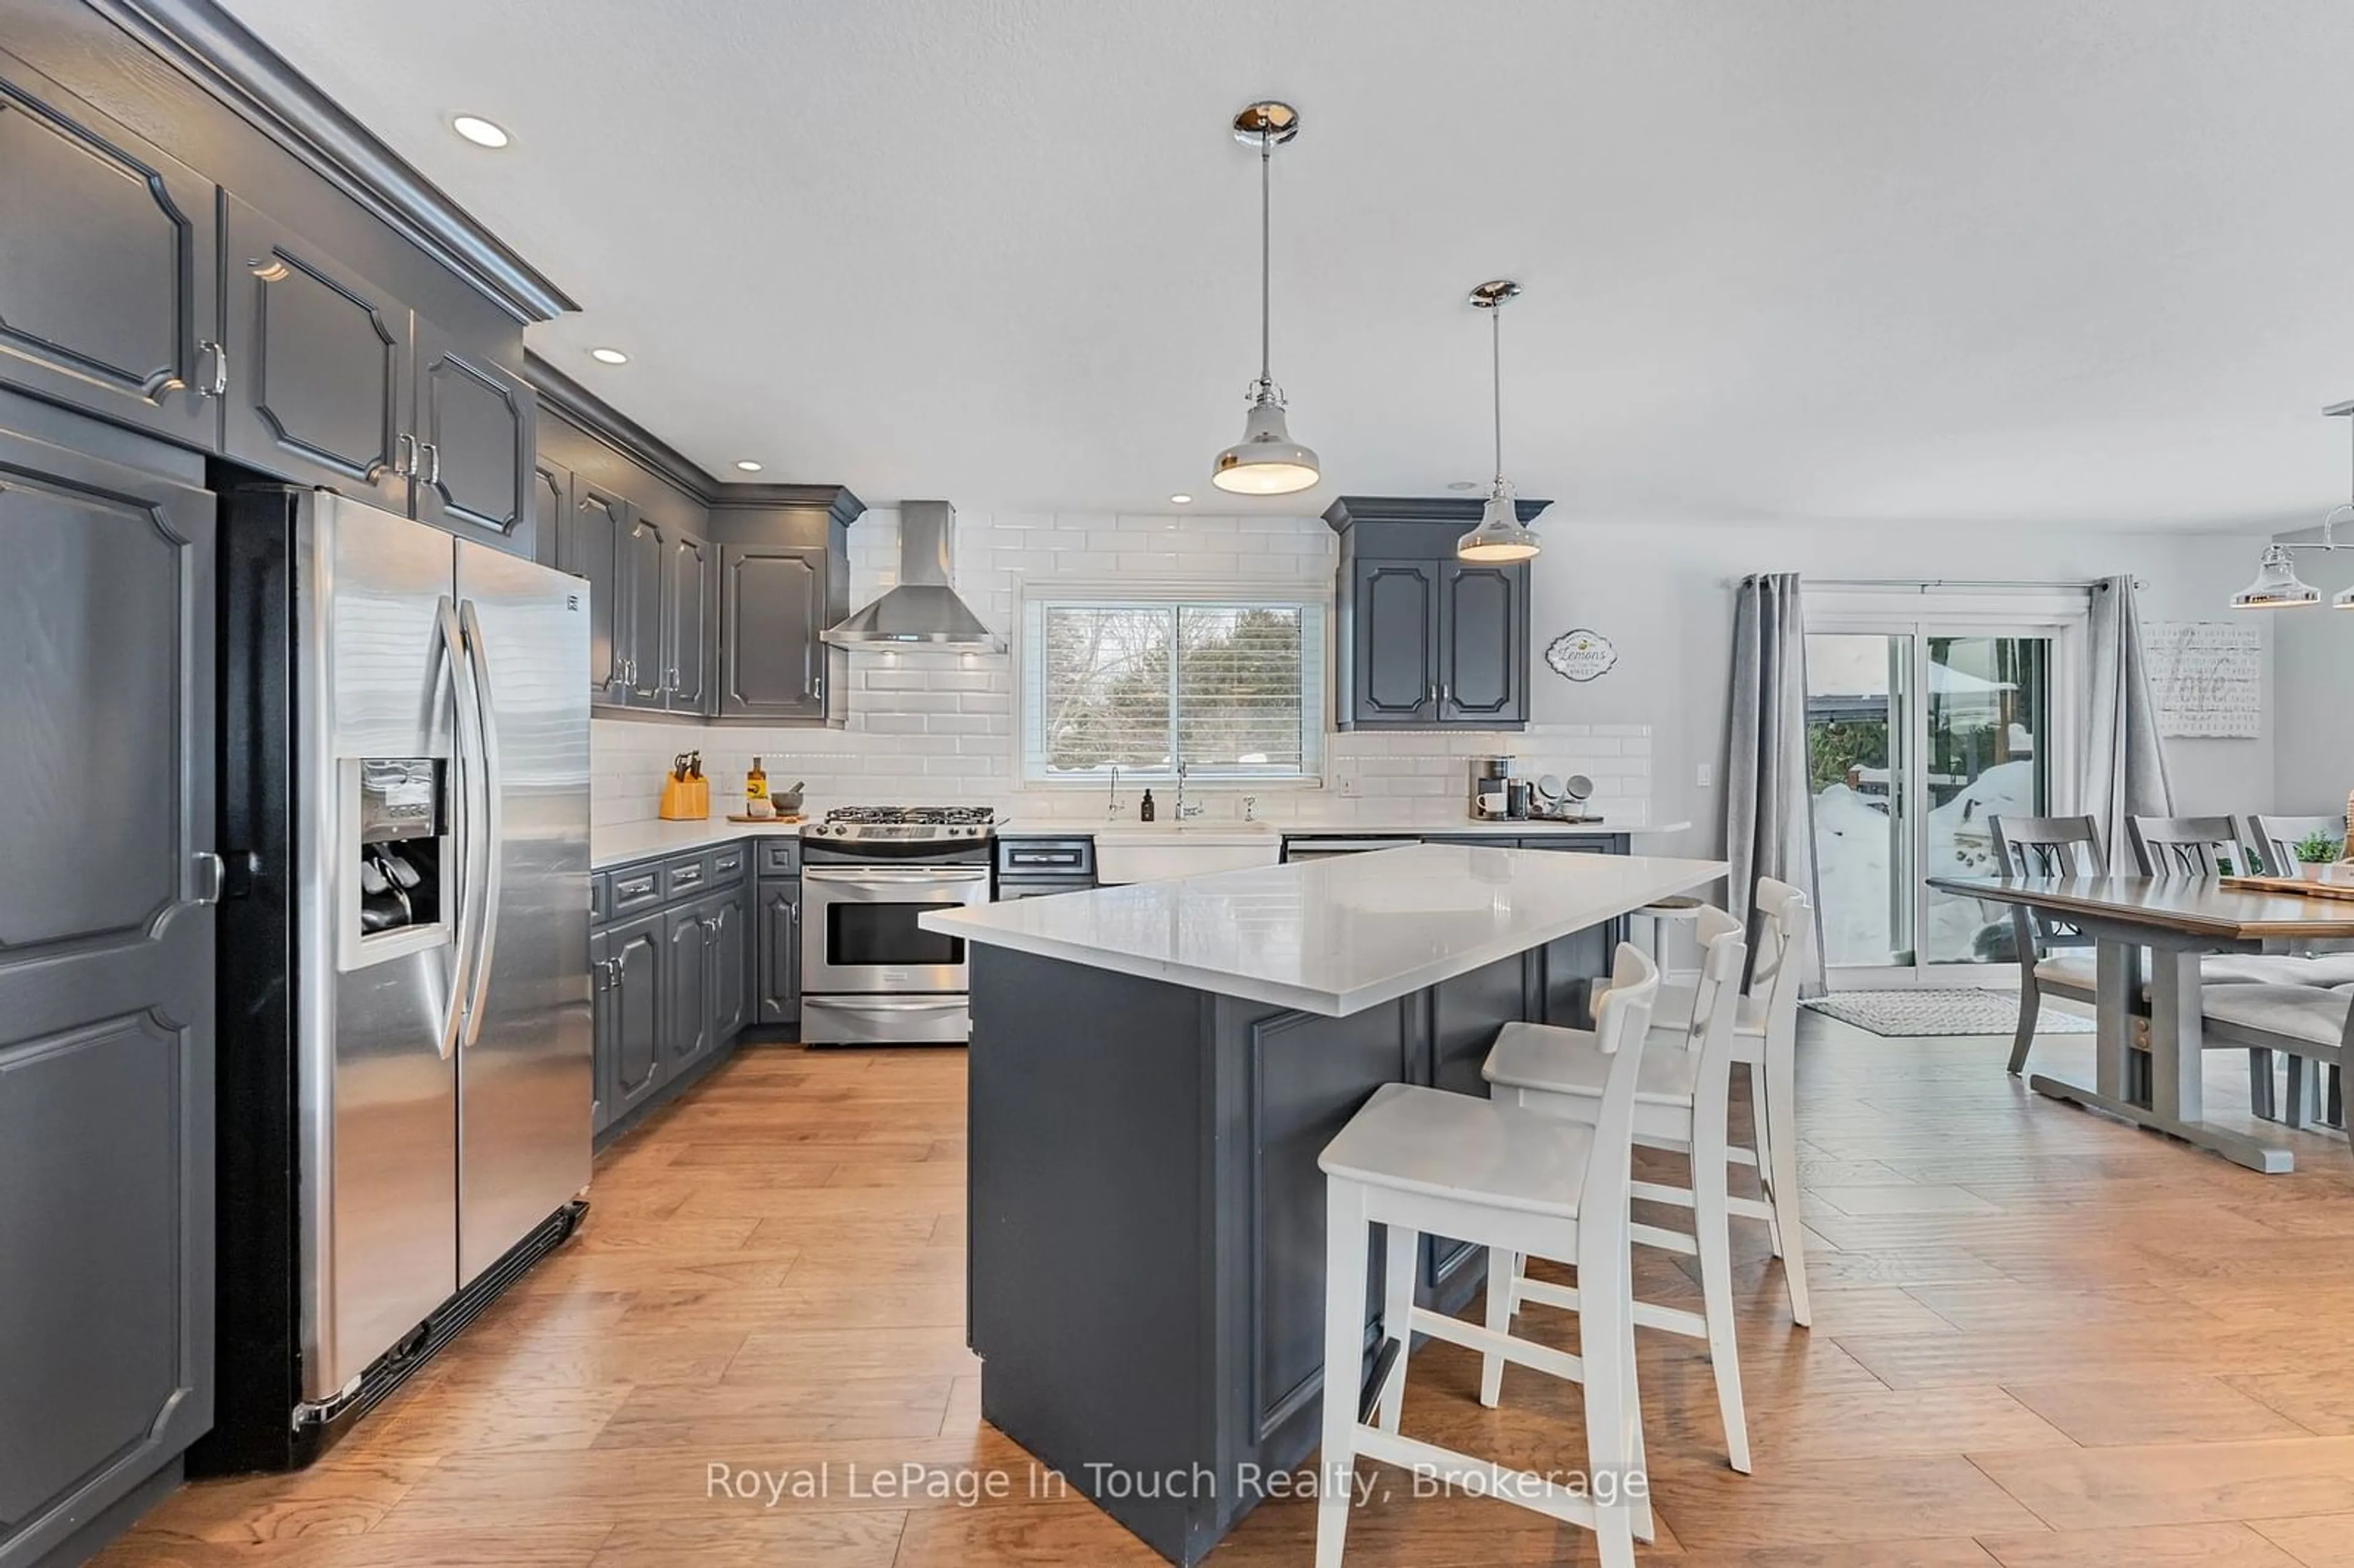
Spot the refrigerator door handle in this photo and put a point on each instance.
(493, 822)
(462, 819)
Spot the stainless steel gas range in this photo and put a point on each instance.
(870, 974)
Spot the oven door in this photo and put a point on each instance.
(859, 930)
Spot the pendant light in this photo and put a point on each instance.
(1266, 461)
(1502, 536)
(2277, 586)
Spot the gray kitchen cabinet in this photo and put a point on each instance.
(1426, 640)
(551, 508)
(475, 434)
(638, 619)
(601, 1021)
(686, 1006)
(106, 969)
(638, 954)
(731, 969)
(690, 581)
(320, 390)
(1483, 644)
(588, 546)
(110, 289)
(780, 936)
(1394, 640)
(773, 613)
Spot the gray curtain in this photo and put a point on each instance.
(1769, 826)
(2125, 762)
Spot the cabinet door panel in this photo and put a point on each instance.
(551, 500)
(686, 1019)
(730, 971)
(110, 288)
(106, 984)
(771, 618)
(320, 390)
(637, 1000)
(781, 951)
(477, 424)
(1483, 641)
(1396, 636)
(600, 1033)
(638, 622)
(588, 546)
(687, 599)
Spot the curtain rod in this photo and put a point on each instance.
(1925, 584)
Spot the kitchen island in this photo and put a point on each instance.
(1154, 1072)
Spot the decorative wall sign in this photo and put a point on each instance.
(2206, 677)
(1581, 655)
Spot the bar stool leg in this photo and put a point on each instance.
(1762, 1139)
(1781, 1115)
(1605, 1345)
(1712, 1231)
(1404, 1251)
(1503, 1301)
(1346, 1249)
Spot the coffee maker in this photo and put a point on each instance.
(1491, 789)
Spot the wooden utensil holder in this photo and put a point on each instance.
(685, 799)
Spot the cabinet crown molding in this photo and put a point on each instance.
(1459, 511)
(214, 50)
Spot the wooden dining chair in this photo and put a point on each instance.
(2046, 846)
(2275, 837)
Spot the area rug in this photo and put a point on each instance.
(1943, 1013)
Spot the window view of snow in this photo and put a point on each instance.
(1874, 764)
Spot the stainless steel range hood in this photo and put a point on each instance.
(924, 609)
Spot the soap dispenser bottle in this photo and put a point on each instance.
(1144, 811)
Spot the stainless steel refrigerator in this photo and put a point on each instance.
(406, 1034)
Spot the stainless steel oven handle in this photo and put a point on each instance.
(895, 876)
(932, 1003)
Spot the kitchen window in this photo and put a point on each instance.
(1232, 688)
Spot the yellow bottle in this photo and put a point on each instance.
(756, 791)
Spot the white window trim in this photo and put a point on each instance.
(1318, 593)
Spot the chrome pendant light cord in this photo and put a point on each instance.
(1266, 308)
(1496, 377)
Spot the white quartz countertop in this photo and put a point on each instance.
(1243, 832)
(1335, 935)
(619, 843)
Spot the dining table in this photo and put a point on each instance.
(2150, 937)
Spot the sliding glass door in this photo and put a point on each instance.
(1918, 731)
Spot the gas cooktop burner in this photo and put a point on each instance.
(931, 823)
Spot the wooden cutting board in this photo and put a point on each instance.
(2296, 886)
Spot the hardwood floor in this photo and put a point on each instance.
(2041, 1341)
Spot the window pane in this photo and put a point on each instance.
(1239, 681)
(1105, 698)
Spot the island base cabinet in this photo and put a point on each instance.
(1147, 1217)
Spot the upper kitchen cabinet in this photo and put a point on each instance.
(475, 436)
(690, 581)
(773, 599)
(110, 295)
(1425, 640)
(588, 546)
(322, 393)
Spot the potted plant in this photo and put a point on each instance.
(2315, 854)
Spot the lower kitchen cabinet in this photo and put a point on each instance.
(780, 950)
(674, 980)
(630, 1016)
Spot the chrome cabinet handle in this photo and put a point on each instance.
(1432, 696)
(432, 452)
(404, 460)
(1445, 694)
(217, 384)
(817, 690)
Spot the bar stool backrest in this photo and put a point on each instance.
(1622, 1018)
(1786, 925)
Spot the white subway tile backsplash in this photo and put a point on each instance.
(937, 728)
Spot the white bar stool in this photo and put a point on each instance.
(1682, 1098)
(1420, 1159)
(1677, 910)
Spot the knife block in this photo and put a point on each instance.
(684, 799)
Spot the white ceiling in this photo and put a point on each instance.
(2080, 262)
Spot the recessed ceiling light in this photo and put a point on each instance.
(608, 356)
(481, 133)
(1462, 484)
(1182, 499)
(748, 465)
